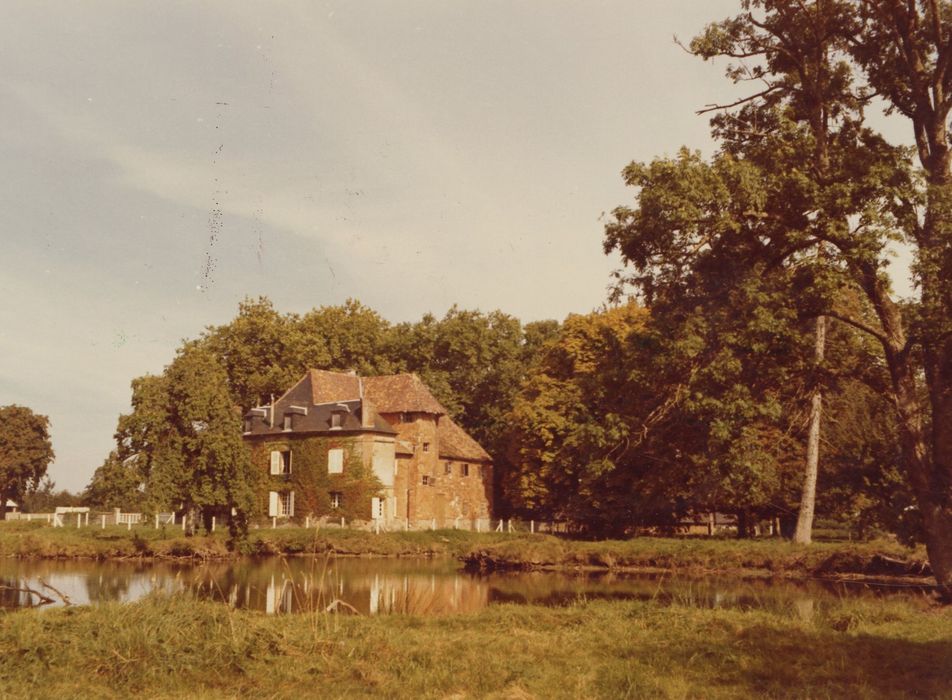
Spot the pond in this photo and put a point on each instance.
(382, 586)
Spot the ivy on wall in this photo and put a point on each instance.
(310, 481)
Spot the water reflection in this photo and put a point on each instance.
(388, 586)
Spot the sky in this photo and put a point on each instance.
(159, 162)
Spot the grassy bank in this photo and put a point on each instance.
(480, 550)
(768, 556)
(183, 648)
(39, 540)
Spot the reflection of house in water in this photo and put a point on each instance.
(362, 586)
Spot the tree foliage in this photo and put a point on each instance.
(25, 452)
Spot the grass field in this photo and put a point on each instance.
(179, 647)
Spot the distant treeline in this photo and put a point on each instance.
(609, 420)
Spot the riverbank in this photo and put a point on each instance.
(39, 540)
(762, 557)
(486, 551)
(180, 647)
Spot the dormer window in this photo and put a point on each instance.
(286, 424)
(336, 420)
(247, 427)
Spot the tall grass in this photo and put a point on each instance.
(180, 647)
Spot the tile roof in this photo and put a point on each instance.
(455, 442)
(328, 387)
(399, 393)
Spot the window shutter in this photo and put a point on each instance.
(272, 502)
(335, 461)
(291, 506)
(275, 462)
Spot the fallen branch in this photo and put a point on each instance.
(338, 603)
(43, 599)
(63, 597)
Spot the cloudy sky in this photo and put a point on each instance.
(160, 161)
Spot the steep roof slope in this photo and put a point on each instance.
(398, 393)
(329, 387)
(456, 443)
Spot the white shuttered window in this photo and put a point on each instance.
(335, 461)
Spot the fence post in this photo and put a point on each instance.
(433, 524)
(129, 524)
(307, 522)
(103, 522)
(213, 523)
(274, 522)
(342, 521)
(156, 521)
(532, 526)
(184, 518)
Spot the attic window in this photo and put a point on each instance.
(286, 424)
(247, 427)
(464, 469)
(336, 420)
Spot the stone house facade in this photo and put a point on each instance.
(366, 448)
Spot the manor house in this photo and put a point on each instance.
(367, 448)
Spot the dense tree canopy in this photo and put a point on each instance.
(25, 452)
(804, 187)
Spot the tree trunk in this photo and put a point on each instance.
(743, 525)
(804, 531)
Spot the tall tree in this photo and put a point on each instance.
(25, 452)
(199, 464)
(868, 200)
(799, 62)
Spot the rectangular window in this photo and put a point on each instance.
(335, 420)
(286, 504)
(281, 462)
(335, 461)
(448, 468)
(464, 469)
(337, 499)
(280, 504)
(426, 447)
(247, 428)
(426, 480)
(286, 423)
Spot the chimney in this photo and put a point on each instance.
(366, 414)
